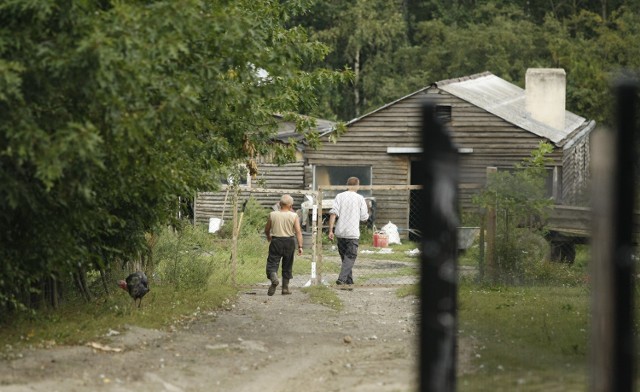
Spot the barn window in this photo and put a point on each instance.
(443, 112)
(338, 175)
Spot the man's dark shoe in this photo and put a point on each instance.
(344, 286)
(274, 283)
(285, 286)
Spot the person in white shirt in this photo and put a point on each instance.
(282, 225)
(350, 209)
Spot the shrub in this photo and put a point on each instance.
(184, 257)
(519, 200)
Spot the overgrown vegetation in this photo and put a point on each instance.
(113, 112)
(519, 203)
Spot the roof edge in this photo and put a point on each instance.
(462, 78)
(579, 134)
(355, 120)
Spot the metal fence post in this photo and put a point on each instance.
(612, 356)
(438, 283)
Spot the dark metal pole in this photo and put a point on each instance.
(623, 275)
(438, 283)
(614, 160)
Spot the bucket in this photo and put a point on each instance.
(214, 224)
(380, 239)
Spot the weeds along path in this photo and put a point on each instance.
(259, 343)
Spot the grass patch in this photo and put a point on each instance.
(407, 290)
(407, 272)
(323, 295)
(78, 322)
(399, 252)
(525, 337)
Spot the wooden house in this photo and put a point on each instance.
(494, 123)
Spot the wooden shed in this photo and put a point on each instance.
(217, 204)
(492, 122)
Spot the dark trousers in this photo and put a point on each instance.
(348, 249)
(281, 248)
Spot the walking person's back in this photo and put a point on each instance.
(282, 229)
(349, 209)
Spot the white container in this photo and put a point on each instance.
(215, 224)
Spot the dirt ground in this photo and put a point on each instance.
(259, 343)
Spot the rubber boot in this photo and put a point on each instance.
(285, 286)
(274, 283)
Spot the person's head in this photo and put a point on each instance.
(286, 201)
(353, 183)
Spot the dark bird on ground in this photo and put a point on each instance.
(137, 285)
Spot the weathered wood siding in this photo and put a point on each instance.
(576, 173)
(495, 142)
(214, 204)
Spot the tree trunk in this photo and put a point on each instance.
(103, 277)
(356, 83)
(81, 283)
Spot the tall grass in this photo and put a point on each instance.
(188, 277)
(186, 258)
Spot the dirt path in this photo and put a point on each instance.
(260, 344)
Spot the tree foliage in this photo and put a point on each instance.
(594, 41)
(110, 110)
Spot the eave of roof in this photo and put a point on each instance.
(499, 97)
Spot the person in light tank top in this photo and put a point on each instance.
(282, 229)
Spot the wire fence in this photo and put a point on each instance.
(387, 254)
(490, 248)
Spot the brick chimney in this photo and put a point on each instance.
(545, 95)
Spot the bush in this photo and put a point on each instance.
(519, 200)
(185, 257)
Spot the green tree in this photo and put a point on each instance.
(594, 52)
(109, 111)
(360, 33)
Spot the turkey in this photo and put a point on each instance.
(137, 285)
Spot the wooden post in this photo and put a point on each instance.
(234, 237)
(555, 187)
(491, 225)
(195, 205)
(318, 229)
(438, 280)
(612, 356)
(481, 261)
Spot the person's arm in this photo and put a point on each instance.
(333, 214)
(364, 211)
(296, 226)
(267, 228)
(332, 221)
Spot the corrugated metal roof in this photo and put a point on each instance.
(507, 101)
(287, 129)
(501, 98)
